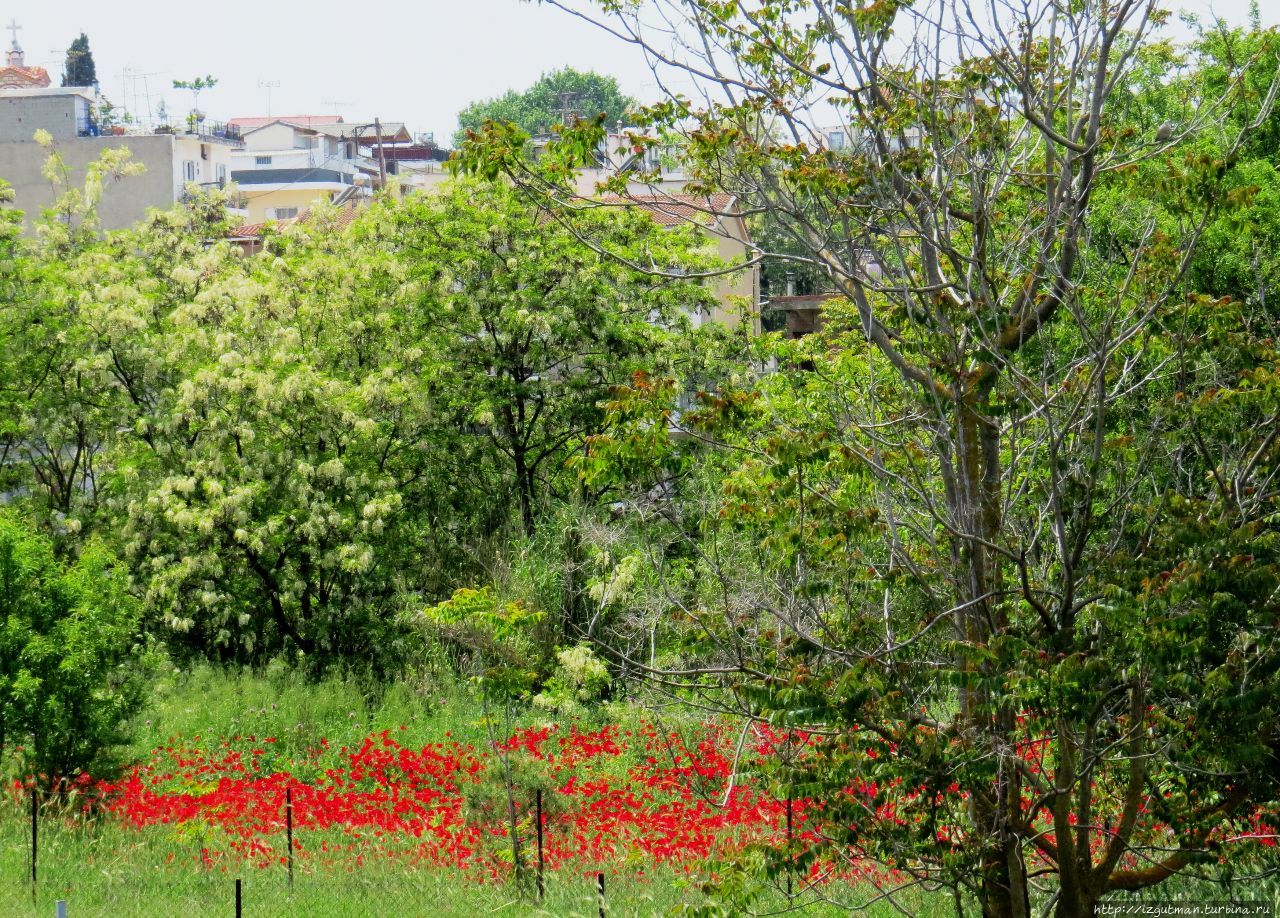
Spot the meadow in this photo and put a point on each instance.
(399, 806)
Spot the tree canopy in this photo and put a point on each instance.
(1005, 533)
(556, 97)
(79, 69)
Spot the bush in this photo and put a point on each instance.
(579, 681)
(72, 667)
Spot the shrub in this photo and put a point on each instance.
(72, 667)
(580, 680)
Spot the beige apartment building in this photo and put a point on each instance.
(174, 160)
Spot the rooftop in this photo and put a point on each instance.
(339, 219)
(674, 209)
(86, 92)
(248, 124)
(392, 131)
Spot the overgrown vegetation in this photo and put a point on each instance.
(988, 569)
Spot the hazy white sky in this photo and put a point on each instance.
(400, 60)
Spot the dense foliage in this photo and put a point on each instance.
(295, 451)
(72, 667)
(992, 560)
(555, 99)
(80, 69)
(1006, 531)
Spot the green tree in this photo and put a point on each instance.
(73, 668)
(79, 69)
(555, 97)
(953, 548)
(61, 409)
(1238, 257)
(281, 469)
(534, 327)
(195, 87)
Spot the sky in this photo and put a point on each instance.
(416, 61)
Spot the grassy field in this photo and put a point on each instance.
(102, 866)
(183, 866)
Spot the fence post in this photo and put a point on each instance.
(60, 910)
(542, 886)
(35, 834)
(790, 838)
(288, 830)
(600, 890)
(239, 903)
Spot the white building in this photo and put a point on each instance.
(288, 164)
(175, 161)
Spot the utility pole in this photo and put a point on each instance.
(382, 158)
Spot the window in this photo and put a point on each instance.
(262, 160)
(188, 170)
(285, 213)
(835, 140)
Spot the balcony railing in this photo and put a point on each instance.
(233, 201)
(217, 131)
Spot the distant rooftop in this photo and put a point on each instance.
(674, 209)
(85, 91)
(339, 219)
(311, 121)
(392, 131)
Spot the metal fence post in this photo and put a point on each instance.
(600, 890)
(239, 903)
(60, 910)
(288, 830)
(35, 834)
(790, 838)
(542, 886)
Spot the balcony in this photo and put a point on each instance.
(195, 189)
(206, 131)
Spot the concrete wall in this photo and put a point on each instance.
(22, 115)
(744, 283)
(123, 202)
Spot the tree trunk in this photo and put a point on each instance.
(524, 487)
(1075, 903)
(974, 505)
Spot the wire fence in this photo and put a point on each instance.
(73, 868)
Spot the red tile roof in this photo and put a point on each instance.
(304, 120)
(18, 76)
(341, 219)
(674, 209)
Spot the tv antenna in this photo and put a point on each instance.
(568, 108)
(268, 85)
(336, 105)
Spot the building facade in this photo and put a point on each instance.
(289, 164)
(175, 161)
